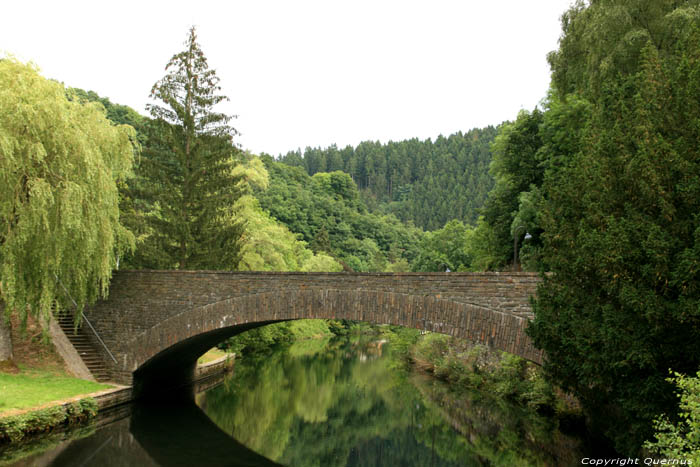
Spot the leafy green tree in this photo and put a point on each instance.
(60, 162)
(486, 253)
(327, 212)
(447, 248)
(117, 113)
(269, 246)
(189, 161)
(620, 217)
(136, 202)
(517, 168)
(321, 241)
(680, 440)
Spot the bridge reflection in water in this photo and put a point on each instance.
(145, 435)
(154, 436)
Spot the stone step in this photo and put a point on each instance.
(84, 347)
(92, 360)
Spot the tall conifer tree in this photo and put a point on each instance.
(190, 160)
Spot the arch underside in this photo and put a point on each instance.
(165, 355)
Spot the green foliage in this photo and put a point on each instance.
(13, 453)
(261, 339)
(516, 168)
(433, 347)
(338, 185)
(468, 366)
(621, 231)
(343, 401)
(604, 42)
(117, 113)
(427, 182)
(325, 211)
(530, 204)
(487, 254)
(60, 162)
(680, 440)
(189, 183)
(17, 427)
(402, 341)
(321, 262)
(268, 245)
(447, 248)
(526, 153)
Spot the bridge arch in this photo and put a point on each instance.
(158, 323)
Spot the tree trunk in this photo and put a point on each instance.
(5, 338)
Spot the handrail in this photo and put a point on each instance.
(85, 318)
(98, 337)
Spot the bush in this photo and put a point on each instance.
(477, 367)
(15, 428)
(682, 439)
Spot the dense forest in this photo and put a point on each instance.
(426, 182)
(600, 189)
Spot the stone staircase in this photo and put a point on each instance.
(82, 344)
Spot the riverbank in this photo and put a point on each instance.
(19, 425)
(352, 398)
(500, 379)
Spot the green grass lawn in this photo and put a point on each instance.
(212, 355)
(32, 388)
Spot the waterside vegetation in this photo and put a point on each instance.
(357, 395)
(600, 189)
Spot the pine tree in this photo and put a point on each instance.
(190, 161)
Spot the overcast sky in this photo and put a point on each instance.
(302, 73)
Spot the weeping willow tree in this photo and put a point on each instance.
(60, 162)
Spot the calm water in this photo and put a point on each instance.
(318, 403)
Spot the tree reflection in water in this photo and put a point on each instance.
(345, 403)
(324, 403)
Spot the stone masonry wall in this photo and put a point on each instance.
(147, 312)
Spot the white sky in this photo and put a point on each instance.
(305, 73)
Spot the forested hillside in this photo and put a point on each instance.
(427, 182)
(323, 214)
(327, 212)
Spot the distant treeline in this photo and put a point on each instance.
(427, 182)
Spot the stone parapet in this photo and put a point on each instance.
(174, 316)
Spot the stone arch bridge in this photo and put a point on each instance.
(157, 323)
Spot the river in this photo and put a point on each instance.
(340, 402)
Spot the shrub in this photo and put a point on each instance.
(680, 440)
(17, 427)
